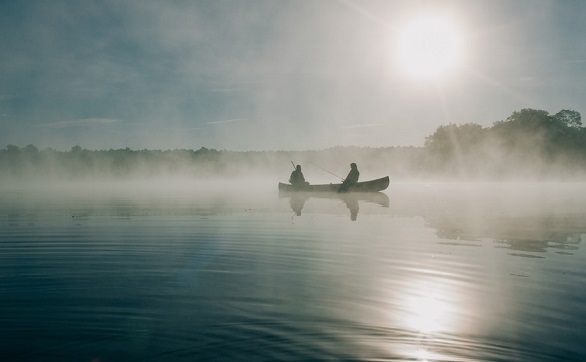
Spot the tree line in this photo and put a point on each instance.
(528, 144)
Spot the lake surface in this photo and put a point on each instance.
(173, 272)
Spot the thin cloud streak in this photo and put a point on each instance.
(354, 126)
(84, 122)
(228, 121)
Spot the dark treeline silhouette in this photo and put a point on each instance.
(528, 144)
(78, 163)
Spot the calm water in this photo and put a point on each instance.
(423, 272)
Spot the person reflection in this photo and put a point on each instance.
(352, 204)
(297, 201)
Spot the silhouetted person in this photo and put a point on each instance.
(297, 179)
(351, 179)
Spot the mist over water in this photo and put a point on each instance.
(229, 270)
(530, 145)
(141, 145)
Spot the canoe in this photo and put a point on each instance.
(364, 186)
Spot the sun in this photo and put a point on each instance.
(428, 47)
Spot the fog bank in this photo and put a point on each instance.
(529, 145)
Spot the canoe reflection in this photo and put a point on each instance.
(351, 200)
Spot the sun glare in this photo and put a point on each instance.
(428, 314)
(428, 47)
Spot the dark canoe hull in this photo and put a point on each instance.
(365, 186)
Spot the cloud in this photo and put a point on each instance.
(187, 129)
(228, 121)
(83, 122)
(295, 70)
(361, 126)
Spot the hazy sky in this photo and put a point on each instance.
(270, 75)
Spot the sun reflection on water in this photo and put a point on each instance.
(430, 309)
(423, 355)
(428, 314)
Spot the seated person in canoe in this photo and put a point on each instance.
(297, 179)
(351, 179)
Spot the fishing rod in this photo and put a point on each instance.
(331, 173)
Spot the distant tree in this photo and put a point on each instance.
(11, 160)
(31, 149)
(12, 149)
(447, 140)
(523, 131)
(531, 140)
(528, 116)
(569, 118)
(32, 154)
(524, 122)
(452, 149)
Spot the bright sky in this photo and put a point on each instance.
(279, 75)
